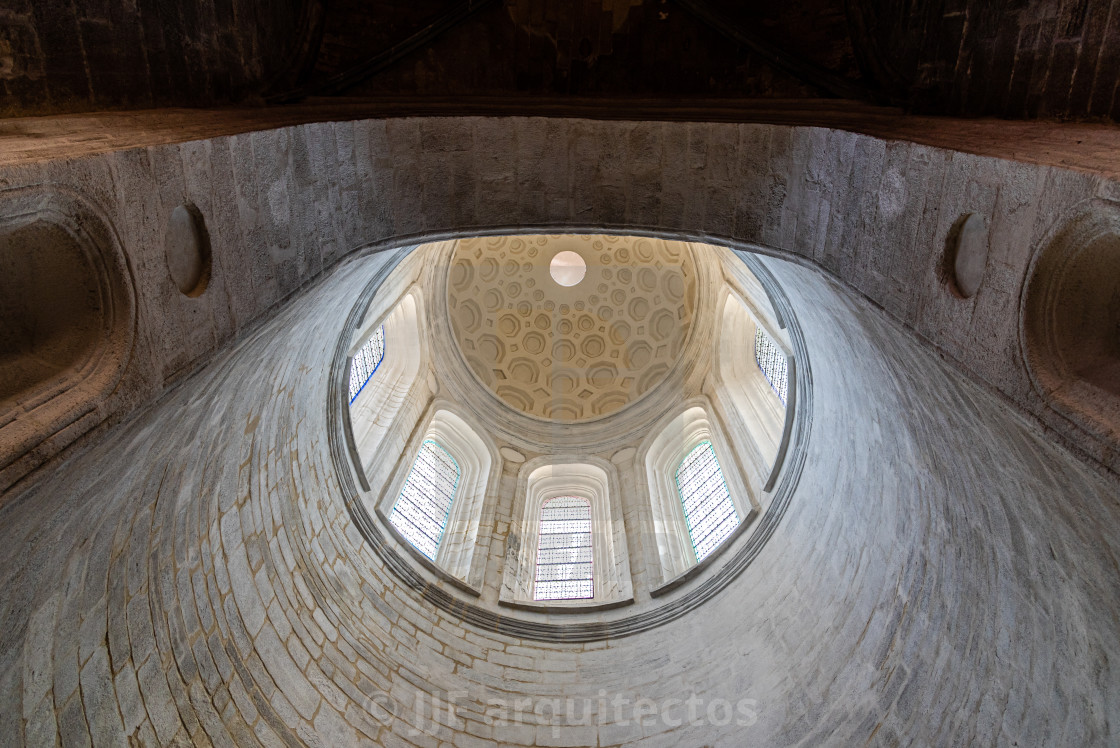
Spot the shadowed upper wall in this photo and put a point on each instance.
(938, 578)
(282, 205)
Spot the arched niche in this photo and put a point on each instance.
(660, 455)
(66, 299)
(1071, 320)
(392, 390)
(545, 478)
(754, 415)
(461, 556)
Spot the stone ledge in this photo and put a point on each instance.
(548, 608)
(423, 560)
(700, 567)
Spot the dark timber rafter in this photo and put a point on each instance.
(382, 60)
(816, 76)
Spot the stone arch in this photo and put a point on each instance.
(461, 554)
(660, 455)
(70, 319)
(744, 398)
(594, 480)
(1070, 320)
(374, 411)
(942, 568)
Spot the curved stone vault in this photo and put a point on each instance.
(195, 578)
(182, 568)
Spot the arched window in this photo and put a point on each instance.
(366, 361)
(754, 414)
(772, 361)
(708, 507)
(420, 512)
(564, 553)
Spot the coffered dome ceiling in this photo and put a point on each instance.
(571, 353)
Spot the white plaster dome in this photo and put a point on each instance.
(571, 352)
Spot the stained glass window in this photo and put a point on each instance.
(772, 361)
(564, 550)
(422, 508)
(708, 508)
(366, 361)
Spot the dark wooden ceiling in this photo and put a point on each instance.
(1005, 58)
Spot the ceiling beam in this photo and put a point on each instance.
(808, 72)
(373, 65)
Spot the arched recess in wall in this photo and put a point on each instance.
(381, 418)
(661, 456)
(391, 389)
(545, 478)
(1070, 320)
(66, 297)
(461, 556)
(745, 400)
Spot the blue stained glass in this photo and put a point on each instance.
(366, 361)
(772, 361)
(708, 508)
(564, 560)
(421, 510)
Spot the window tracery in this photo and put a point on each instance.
(707, 503)
(421, 511)
(366, 361)
(564, 553)
(772, 361)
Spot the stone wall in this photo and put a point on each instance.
(195, 578)
(282, 205)
(192, 574)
